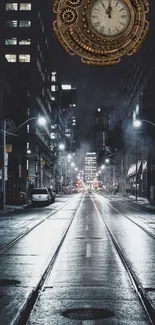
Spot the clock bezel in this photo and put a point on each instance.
(119, 32)
(118, 36)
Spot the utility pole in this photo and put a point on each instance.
(136, 171)
(4, 163)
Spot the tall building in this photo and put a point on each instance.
(69, 106)
(101, 132)
(137, 102)
(90, 167)
(26, 51)
(63, 128)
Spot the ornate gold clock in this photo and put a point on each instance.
(101, 31)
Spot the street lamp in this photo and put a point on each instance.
(41, 121)
(61, 146)
(138, 123)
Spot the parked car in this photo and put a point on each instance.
(52, 194)
(41, 195)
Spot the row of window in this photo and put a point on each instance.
(23, 58)
(13, 41)
(16, 23)
(18, 6)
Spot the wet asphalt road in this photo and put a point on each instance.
(87, 274)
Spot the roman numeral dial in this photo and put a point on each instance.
(110, 17)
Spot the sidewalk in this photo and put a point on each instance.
(10, 208)
(141, 201)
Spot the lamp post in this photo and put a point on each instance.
(4, 164)
(41, 121)
(113, 168)
(137, 123)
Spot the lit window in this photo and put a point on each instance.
(25, 41)
(25, 6)
(24, 23)
(11, 57)
(53, 78)
(24, 58)
(53, 88)
(11, 23)
(11, 6)
(11, 41)
(53, 136)
(66, 87)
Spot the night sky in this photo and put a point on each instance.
(96, 86)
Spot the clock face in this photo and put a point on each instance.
(110, 17)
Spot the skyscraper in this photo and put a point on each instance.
(90, 167)
(26, 52)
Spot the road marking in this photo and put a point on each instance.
(87, 227)
(86, 217)
(88, 250)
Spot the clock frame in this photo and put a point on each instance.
(75, 33)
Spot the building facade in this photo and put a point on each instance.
(26, 53)
(90, 167)
(101, 132)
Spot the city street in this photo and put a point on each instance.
(86, 259)
(77, 162)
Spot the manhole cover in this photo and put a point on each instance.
(8, 282)
(87, 313)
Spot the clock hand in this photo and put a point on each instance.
(103, 5)
(109, 9)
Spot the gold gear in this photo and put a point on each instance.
(74, 3)
(68, 16)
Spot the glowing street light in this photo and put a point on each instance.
(42, 120)
(137, 123)
(69, 157)
(61, 146)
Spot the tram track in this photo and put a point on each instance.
(133, 221)
(24, 314)
(26, 232)
(140, 290)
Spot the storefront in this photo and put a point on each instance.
(137, 174)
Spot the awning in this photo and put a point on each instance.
(132, 169)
